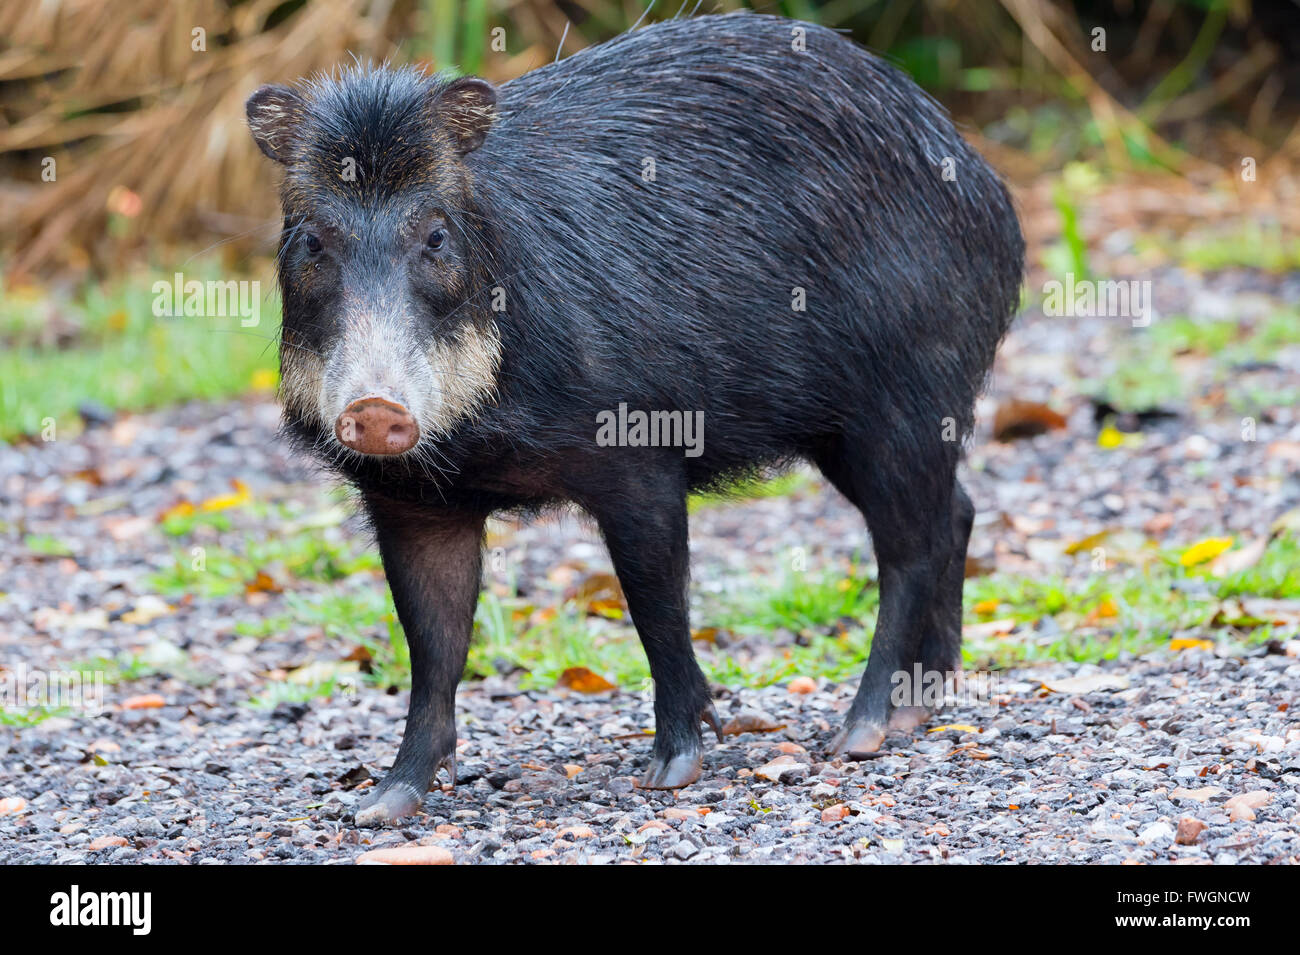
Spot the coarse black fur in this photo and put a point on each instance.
(773, 171)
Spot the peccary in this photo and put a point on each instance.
(740, 218)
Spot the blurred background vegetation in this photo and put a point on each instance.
(123, 151)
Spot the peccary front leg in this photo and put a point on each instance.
(645, 527)
(433, 561)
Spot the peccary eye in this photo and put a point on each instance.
(312, 243)
(436, 241)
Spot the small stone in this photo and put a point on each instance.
(1189, 830)
(834, 813)
(1241, 808)
(106, 842)
(802, 685)
(1156, 832)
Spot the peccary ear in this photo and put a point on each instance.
(274, 113)
(467, 107)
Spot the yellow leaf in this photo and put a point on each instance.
(1110, 437)
(1088, 543)
(986, 606)
(183, 509)
(1189, 643)
(959, 727)
(1207, 549)
(224, 502)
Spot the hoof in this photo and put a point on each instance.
(907, 718)
(857, 741)
(385, 806)
(673, 773)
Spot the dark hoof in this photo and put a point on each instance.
(393, 801)
(385, 806)
(673, 773)
(857, 741)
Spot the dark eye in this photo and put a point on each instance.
(312, 243)
(436, 241)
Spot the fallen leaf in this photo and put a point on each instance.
(1087, 684)
(1110, 437)
(1024, 419)
(986, 607)
(224, 502)
(407, 855)
(148, 701)
(802, 685)
(582, 680)
(1235, 561)
(147, 609)
(990, 628)
(1200, 795)
(322, 671)
(1204, 550)
(1190, 643)
(959, 727)
(751, 721)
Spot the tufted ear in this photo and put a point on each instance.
(467, 108)
(274, 114)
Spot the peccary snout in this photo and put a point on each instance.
(375, 425)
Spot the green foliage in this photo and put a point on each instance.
(105, 346)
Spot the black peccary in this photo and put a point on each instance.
(739, 216)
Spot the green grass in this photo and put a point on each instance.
(1249, 245)
(105, 346)
(1154, 374)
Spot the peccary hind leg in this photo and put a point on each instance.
(433, 562)
(909, 502)
(645, 528)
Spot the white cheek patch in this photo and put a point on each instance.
(464, 369)
(441, 385)
(302, 375)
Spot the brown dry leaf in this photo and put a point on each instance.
(705, 634)
(148, 701)
(263, 583)
(146, 610)
(1235, 561)
(1024, 419)
(751, 721)
(179, 509)
(582, 680)
(990, 628)
(1106, 610)
(1087, 684)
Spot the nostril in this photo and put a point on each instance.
(374, 425)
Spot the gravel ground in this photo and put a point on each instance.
(1173, 757)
